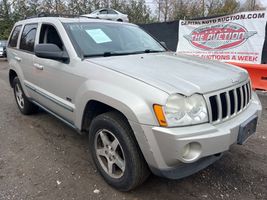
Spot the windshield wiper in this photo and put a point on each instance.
(110, 53)
(152, 51)
(107, 54)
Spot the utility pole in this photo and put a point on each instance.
(203, 8)
(253, 4)
(159, 10)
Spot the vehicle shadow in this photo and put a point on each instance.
(239, 174)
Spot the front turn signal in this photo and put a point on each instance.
(160, 115)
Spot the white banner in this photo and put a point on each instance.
(233, 38)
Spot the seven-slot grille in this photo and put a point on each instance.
(227, 104)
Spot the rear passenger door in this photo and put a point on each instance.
(112, 15)
(23, 53)
(26, 55)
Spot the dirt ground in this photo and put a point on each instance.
(42, 158)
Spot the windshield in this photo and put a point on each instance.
(108, 39)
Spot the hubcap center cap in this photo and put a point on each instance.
(110, 152)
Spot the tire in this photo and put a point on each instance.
(112, 126)
(25, 106)
(119, 20)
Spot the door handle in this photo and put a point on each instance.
(17, 58)
(38, 66)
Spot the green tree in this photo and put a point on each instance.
(230, 7)
(6, 22)
(138, 12)
(20, 9)
(34, 7)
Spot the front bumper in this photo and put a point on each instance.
(202, 144)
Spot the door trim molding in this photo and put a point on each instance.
(61, 104)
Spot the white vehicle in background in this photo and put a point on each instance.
(3, 48)
(109, 14)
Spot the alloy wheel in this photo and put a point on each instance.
(110, 153)
(19, 96)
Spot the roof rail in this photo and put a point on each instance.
(51, 15)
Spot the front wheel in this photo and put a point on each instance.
(116, 153)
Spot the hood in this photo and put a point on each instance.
(175, 73)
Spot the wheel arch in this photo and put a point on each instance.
(137, 131)
(94, 108)
(12, 75)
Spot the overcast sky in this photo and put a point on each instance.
(152, 4)
(264, 2)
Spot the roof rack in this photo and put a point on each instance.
(52, 15)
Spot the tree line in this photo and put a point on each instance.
(138, 10)
(168, 10)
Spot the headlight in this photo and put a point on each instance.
(181, 110)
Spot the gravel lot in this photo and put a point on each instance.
(42, 158)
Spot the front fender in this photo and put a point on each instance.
(135, 104)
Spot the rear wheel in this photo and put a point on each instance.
(25, 106)
(119, 20)
(116, 153)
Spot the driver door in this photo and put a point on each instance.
(56, 82)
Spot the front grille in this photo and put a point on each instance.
(228, 103)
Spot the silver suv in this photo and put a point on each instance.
(145, 109)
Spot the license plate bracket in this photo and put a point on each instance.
(247, 129)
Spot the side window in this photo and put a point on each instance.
(110, 11)
(28, 37)
(103, 12)
(14, 37)
(49, 35)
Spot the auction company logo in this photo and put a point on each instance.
(219, 36)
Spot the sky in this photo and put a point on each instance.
(264, 2)
(152, 3)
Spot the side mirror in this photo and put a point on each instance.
(50, 51)
(164, 44)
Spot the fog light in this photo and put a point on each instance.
(191, 151)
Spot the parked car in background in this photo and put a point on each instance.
(109, 14)
(3, 48)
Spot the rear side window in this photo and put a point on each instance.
(14, 37)
(28, 37)
(111, 11)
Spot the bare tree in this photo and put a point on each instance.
(164, 9)
(251, 5)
